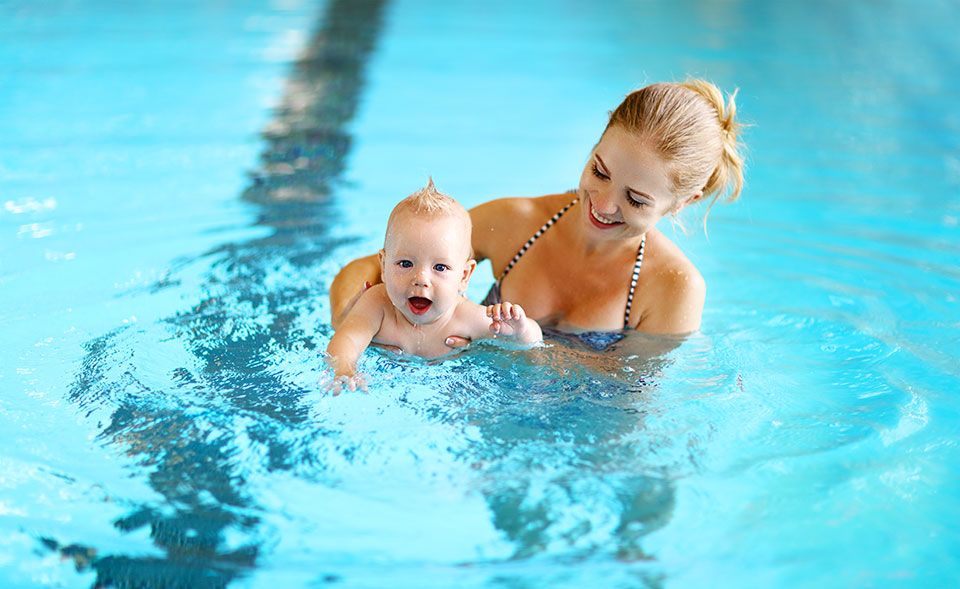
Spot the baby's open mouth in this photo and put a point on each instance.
(419, 305)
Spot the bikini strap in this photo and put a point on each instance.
(634, 277)
(633, 282)
(533, 238)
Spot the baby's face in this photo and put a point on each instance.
(426, 265)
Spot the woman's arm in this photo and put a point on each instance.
(349, 284)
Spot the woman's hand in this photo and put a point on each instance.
(456, 341)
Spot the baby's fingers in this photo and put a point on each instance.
(327, 381)
(337, 384)
(358, 382)
(334, 386)
(516, 312)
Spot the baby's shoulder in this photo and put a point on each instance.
(374, 300)
(375, 294)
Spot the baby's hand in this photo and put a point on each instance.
(350, 382)
(508, 320)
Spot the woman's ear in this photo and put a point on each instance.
(682, 203)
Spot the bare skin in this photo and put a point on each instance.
(426, 265)
(374, 319)
(576, 277)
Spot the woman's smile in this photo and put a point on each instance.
(601, 221)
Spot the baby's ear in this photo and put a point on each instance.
(381, 255)
(468, 269)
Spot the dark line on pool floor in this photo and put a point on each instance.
(189, 463)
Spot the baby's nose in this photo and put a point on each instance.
(420, 279)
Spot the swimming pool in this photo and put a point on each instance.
(177, 194)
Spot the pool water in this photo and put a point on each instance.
(180, 182)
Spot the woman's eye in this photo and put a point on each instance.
(405, 264)
(441, 267)
(636, 203)
(597, 172)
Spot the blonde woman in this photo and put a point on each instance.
(592, 260)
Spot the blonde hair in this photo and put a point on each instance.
(431, 203)
(695, 132)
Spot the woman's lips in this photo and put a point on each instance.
(419, 305)
(597, 222)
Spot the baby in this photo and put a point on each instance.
(426, 265)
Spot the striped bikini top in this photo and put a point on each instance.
(493, 297)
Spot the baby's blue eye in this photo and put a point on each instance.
(440, 267)
(405, 264)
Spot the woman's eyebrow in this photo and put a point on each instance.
(602, 163)
(633, 190)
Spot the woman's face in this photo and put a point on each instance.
(625, 187)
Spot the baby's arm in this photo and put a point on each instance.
(510, 321)
(352, 337)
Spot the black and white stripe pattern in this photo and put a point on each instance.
(536, 235)
(633, 282)
(633, 278)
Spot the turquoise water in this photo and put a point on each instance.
(180, 182)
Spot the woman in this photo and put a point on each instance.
(594, 260)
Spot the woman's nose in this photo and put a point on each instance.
(603, 201)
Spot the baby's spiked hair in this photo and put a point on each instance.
(429, 201)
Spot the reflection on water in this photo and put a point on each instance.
(535, 454)
(191, 427)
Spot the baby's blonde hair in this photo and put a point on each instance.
(695, 132)
(431, 203)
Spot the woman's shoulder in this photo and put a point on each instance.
(671, 266)
(500, 226)
(676, 287)
(518, 208)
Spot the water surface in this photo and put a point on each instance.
(179, 184)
